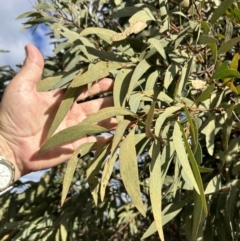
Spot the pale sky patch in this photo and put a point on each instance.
(13, 38)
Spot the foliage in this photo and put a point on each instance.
(171, 167)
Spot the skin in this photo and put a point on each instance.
(26, 116)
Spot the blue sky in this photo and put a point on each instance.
(12, 37)
(40, 38)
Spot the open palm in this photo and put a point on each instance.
(26, 116)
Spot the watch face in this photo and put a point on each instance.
(5, 176)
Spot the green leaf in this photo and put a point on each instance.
(63, 232)
(232, 87)
(171, 72)
(156, 188)
(108, 167)
(168, 214)
(27, 15)
(231, 208)
(129, 171)
(171, 210)
(120, 87)
(166, 159)
(234, 63)
(103, 55)
(198, 154)
(106, 113)
(151, 230)
(162, 118)
(72, 133)
(164, 97)
(71, 167)
(220, 11)
(149, 120)
(193, 128)
(98, 71)
(186, 71)
(198, 215)
(119, 133)
(138, 21)
(103, 33)
(226, 46)
(68, 34)
(125, 12)
(68, 100)
(205, 39)
(140, 69)
(227, 128)
(209, 132)
(151, 80)
(205, 170)
(144, 15)
(48, 83)
(135, 100)
(94, 169)
(206, 94)
(227, 73)
(66, 79)
(214, 51)
(214, 186)
(46, 6)
(158, 46)
(182, 155)
(195, 170)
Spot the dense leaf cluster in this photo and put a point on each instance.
(171, 167)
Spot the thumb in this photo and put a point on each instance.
(31, 71)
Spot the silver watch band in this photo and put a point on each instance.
(6, 190)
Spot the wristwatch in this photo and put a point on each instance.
(7, 171)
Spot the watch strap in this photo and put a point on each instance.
(6, 190)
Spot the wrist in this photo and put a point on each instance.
(9, 155)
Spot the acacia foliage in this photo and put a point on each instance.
(171, 167)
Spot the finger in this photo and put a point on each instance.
(98, 87)
(31, 71)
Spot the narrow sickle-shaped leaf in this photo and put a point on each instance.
(197, 215)
(195, 169)
(68, 100)
(209, 132)
(93, 170)
(162, 118)
(72, 133)
(98, 71)
(106, 113)
(156, 188)
(149, 120)
(221, 10)
(105, 34)
(193, 128)
(71, 167)
(141, 68)
(129, 171)
(206, 94)
(182, 155)
(108, 168)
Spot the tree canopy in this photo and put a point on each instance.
(170, 170)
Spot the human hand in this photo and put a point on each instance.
(26, 117)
